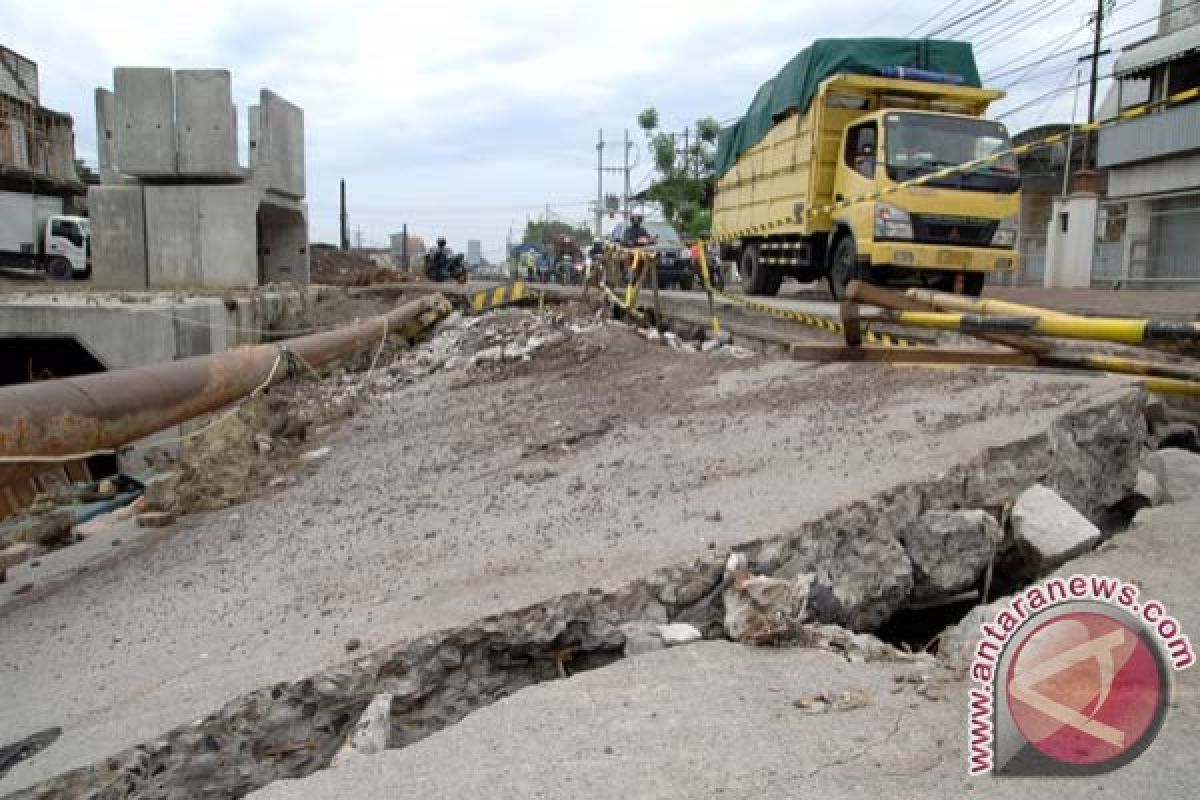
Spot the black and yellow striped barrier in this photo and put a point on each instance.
(1106, 329)
(811, 320)
(967, 166)
(489, 299)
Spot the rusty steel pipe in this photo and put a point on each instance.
(109, 409)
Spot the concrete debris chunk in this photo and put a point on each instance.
(678, 633)
(957, 644)
(371, 734)
(951, 549)
(1182, 471)
(47, 529)
(760, 609)
(824, 702)
(161, 492)
(710, 345)
(1048, 530)
(1148, 489)
(640, 638)
(316, 455)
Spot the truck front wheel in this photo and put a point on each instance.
(59, 268)
(844, 267)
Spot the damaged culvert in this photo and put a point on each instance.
(828, 583)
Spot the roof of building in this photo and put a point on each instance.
(1158, 51)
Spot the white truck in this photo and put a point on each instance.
(36, 235)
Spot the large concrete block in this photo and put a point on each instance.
(118, 236)
(145, 106)
(280, 144)
(201, 236)
(207, 136)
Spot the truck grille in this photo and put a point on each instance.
(940, 229)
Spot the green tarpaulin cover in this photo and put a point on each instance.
(797, 82)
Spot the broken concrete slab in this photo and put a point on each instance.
(1048, 531)
(162, 491)
(950, 550)
(469, 434)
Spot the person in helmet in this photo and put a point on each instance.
(635, 233)
(439, 260)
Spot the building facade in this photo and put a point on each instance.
(1148, 226)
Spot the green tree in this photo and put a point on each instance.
(684, 166)
(543, 232)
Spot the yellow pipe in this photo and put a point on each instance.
(954, 302)
(1128, 331)
(1170, 386)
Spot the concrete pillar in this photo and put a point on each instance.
(106, 135)
(1135, 248)
(1071, 242)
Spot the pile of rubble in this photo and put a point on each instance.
(329, 265)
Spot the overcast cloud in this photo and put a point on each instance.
(463, 117)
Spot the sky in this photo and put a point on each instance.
(465, 118)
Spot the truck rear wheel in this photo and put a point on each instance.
(757, 277)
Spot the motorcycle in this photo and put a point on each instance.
(455, 267)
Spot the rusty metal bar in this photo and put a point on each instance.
(110, 409)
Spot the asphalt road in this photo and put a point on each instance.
(465, 494)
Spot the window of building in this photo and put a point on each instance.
(1183, 74)
(1136, 92)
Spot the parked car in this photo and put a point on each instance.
(673, 259)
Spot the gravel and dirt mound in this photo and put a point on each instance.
(328, 264)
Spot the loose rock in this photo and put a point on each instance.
(951, 549)
(1048, 530)
(1182, 471)
(678, 633)
(371, 735)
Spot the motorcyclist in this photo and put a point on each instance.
(635, 233)
(439, 261)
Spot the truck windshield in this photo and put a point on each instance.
(662, 233)
(918, 144)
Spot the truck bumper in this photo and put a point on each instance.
(941, 257)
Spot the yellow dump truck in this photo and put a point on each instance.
(851, 118)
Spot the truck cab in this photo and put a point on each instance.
(67, 239)
(947, 230)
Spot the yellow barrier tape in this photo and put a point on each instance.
(811, 320)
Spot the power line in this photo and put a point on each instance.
(1133, 26)
(971, 18)
(935, 17)
(1030, 18)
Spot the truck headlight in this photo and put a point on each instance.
(1006, 233)
(892, 222)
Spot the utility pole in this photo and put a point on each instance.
(1097, 34)
(628, 145)
(404, 246)
(600, 185)
(687, 170)
(344, 230)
